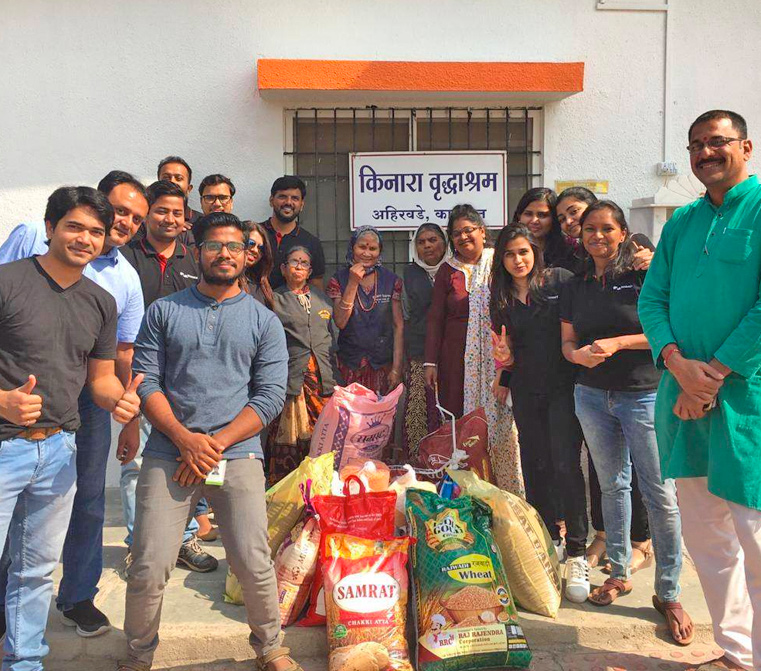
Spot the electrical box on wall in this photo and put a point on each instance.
(666, 168)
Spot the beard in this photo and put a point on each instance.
(217, 280)
(287, 218)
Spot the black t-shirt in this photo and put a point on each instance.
(298, 237)
(50, 332)
(604, 309)
(534, 330)
(180, 271)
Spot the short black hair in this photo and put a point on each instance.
(218, 220)
(288, 182)
(67, 198)
(738, 123)
(211, 180)
(117, 177)
(174, 159)
(165, 188)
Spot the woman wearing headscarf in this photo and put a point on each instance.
(306, 314)
(428, 254)
(259, 263)
(458, 346)
(367, 310)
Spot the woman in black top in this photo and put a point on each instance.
(430, 251)
(615, 404)
(536, 211)
(571, 205)
(524, 311)
(259, 264)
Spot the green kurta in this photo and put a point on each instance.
(703, 292)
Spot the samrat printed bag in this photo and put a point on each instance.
(466, 619)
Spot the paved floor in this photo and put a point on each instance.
(202, 633)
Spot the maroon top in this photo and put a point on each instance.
(446, 333)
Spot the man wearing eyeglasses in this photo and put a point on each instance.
(216, 193)
(215, 363)
(701, 312)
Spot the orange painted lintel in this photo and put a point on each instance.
(275, 74)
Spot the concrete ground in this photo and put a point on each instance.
(200, 632)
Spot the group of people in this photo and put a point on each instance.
(217, 343)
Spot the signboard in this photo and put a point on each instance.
(399, 191)
(594, 185)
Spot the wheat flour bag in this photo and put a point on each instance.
(529, 556)
(355, 423)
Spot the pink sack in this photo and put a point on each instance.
(355, 423)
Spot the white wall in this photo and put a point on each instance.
(88, 87)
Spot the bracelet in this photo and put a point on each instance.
(429, 365)
(346, 304)
(668, 356)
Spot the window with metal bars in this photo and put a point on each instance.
(319, 141)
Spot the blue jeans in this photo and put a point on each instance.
(37, 486)
(83, 548)
(619, 429)
(128, 485)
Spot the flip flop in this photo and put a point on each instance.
(604, 595)
(673, 612)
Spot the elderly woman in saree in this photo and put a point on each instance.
(458, 346)
(368, 312)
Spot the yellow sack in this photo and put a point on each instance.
(285, 502)
(528, 554)
(233, 592)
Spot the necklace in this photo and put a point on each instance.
(374, 295)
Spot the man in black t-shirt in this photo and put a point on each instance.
(287, 200)
(57, 331)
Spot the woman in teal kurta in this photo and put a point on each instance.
(703, 293)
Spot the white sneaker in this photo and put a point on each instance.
(560, 550)
(577, 579)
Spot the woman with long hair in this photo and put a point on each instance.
(259, 264)
(524, 314)
(458, 348)
(536, 211)
(615, 404)
(429, 253)
(571, 205)
(368, 312)
(306, 314)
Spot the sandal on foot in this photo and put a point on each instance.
(642, 556)
(676, 618)
(263, 662)
(596, 552)
(609, 591)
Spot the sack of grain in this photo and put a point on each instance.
(366, 602)
(531, 562)
(466, 619)
(295, 566)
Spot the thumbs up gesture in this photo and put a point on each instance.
(20, 406)
(128, 405)
(501, 348)
(642, 256)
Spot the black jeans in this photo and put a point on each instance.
(640, 530)
(550, 439)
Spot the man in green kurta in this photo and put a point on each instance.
(700, 308)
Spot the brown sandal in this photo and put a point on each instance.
(609, 591)
(675, 614)
(596, 552)
(263, 662)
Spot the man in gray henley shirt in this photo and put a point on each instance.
(215, 363)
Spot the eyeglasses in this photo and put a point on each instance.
(209, 198)
(296, 263)
(714, 143)
(468, 230)
(215, 247)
